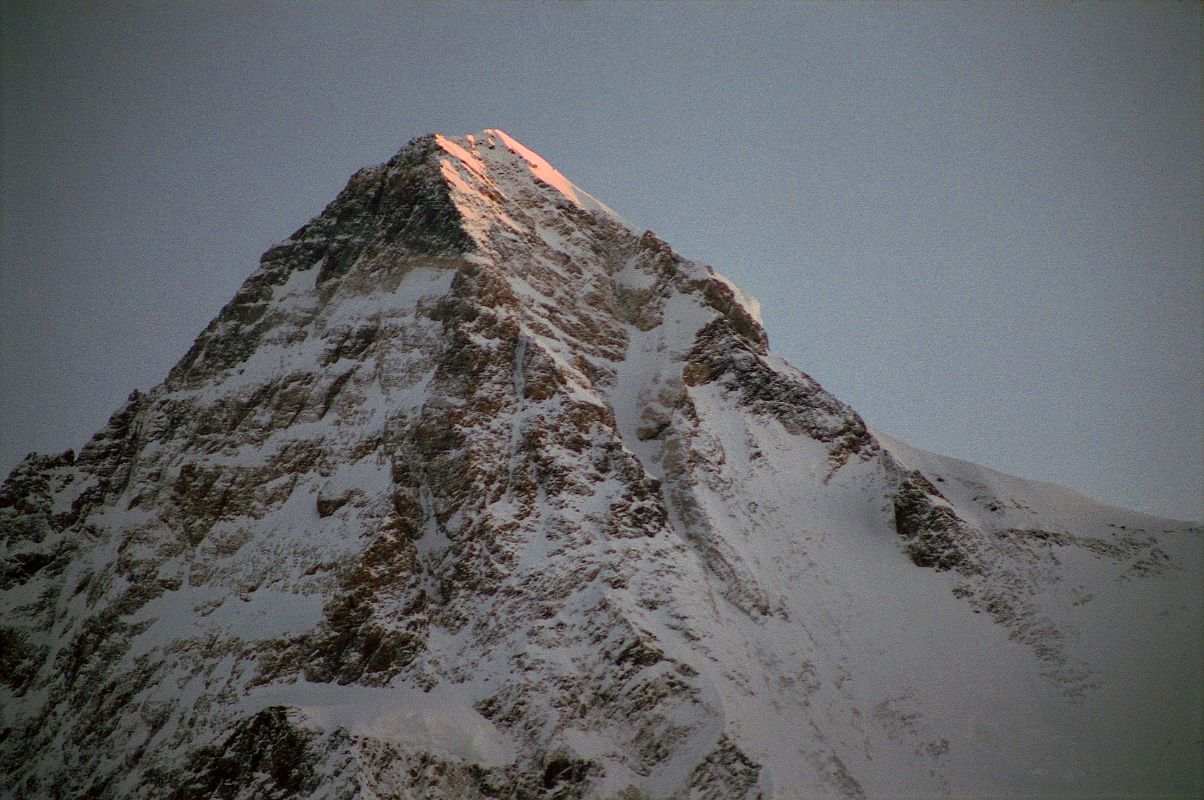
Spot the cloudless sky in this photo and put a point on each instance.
(979, 224)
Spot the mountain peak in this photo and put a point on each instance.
(487, 168)
(472, 490)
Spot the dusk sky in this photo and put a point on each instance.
(978, 224)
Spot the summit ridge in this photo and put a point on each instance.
(473, 490)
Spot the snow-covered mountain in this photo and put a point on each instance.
(475, 491)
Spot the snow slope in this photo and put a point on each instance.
(474, 490)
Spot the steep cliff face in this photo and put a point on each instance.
(475, 491)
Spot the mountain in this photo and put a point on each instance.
(475, 491)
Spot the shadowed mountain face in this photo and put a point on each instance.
(475, 491)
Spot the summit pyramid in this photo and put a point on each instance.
(474, 490)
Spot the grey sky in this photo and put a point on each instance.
(978, 224)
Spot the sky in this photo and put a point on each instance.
(978, 224)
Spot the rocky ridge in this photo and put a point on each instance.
(473, 490)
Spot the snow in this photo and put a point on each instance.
(788, 619)
(548, 174)
(974, 485)
(746, 301)
(470, 160)
(440, 721)
(198, 611)
(486, 159)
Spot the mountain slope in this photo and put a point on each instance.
(475, 491)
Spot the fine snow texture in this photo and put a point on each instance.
(473, 490)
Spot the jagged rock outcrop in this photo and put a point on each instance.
(474, 491)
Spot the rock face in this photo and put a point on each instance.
(473, 491)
